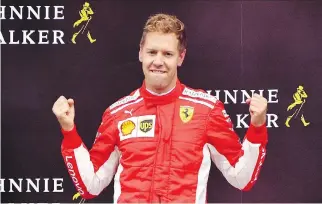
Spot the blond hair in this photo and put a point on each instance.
(166, 23)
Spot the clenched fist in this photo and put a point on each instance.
(257, 110)
(65, 112)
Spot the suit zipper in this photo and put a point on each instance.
(156, 155)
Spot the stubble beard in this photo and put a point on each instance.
(158, 83)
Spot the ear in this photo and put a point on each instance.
(181, 57)
(140, 54)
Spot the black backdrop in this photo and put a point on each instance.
(232, 45)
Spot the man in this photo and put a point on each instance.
(159, 141)
(299, 99)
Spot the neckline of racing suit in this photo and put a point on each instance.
(154, 100)
(160, 94)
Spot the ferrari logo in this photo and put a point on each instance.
(186, 113)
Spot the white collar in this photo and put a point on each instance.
(160, 94)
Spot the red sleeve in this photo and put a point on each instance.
(91, 171)
(240, 163)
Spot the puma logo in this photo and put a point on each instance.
(129, 112)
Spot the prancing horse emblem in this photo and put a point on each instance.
(186, 113)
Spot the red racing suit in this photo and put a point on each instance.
(159, 148)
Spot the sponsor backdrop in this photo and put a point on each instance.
(235, 48)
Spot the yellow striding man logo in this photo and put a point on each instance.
(76, 196)
(297, 106)
(186, 113)
(85, 17)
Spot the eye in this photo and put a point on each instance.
(152, 52)
(168, 54)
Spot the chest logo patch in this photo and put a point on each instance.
(186, 113)
(146, 125)
(136, 127)
(127, 127)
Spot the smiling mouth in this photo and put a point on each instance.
(157, 71)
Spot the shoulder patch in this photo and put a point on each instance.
(199, 94)
(126, 99)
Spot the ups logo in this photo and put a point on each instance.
(146, 125)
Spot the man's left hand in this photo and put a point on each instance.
(257, 109)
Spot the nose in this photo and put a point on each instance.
(158, 60)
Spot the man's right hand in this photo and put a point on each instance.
(65, 112)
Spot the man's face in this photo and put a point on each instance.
(160, 58)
